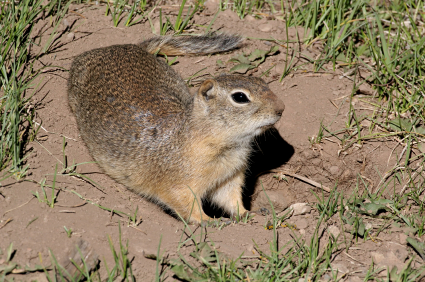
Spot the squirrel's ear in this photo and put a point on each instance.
(207, 89)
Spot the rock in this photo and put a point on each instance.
(249, 18)
(366, 123)
(368, 226)
(398, 250)
(230, 15)
(347, 174)
(277, 199)
(300, 208)
(74, 257)
(340, 267)
(70, 36)
(377, 257)
(265, 27)
(403, 238)
(212, 6)
(325, 277)
(365, 89)
(66, 22)
(388, 259)
(334, 170)
(301, 224)
(251, 250)
(334, 230)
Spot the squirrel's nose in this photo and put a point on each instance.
(279, 107)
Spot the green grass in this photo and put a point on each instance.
(181, 22)
(382, 42)
(119, 8)
(243, 7)
(17, 75)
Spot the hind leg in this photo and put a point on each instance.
(186, 203)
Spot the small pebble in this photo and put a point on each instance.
(71, 36)
(403, 238)
(341, 267)
(300, 208)
(249, 18)
(231, 15)
(334, 230)
(301, 224)
(212, 5)
(365, 89)
(334, 170)
(265, 27)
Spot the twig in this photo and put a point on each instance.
(7, 221)
(19, 206)
(387, 174)
(49, 152)
(412, 178)
(402, 153)
(76, 206)
(399, 142)
(138, 229)
(345, 253)
(51, 132)
(78, 14)
(302, 178)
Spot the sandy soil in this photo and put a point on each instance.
(310, 98)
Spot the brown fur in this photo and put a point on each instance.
(145, 129)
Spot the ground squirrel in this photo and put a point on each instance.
(144, 128)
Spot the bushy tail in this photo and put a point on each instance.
(192, 45)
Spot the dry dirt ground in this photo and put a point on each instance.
(310, 98)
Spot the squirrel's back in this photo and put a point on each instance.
(125, 99)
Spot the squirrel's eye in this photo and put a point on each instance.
(240, 97)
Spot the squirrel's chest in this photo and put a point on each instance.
(215, 162)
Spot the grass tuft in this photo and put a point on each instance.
(17, 75)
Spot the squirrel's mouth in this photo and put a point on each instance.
(263, 129)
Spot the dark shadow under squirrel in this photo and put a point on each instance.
(145, 130)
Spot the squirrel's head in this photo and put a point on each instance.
(242, 105)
